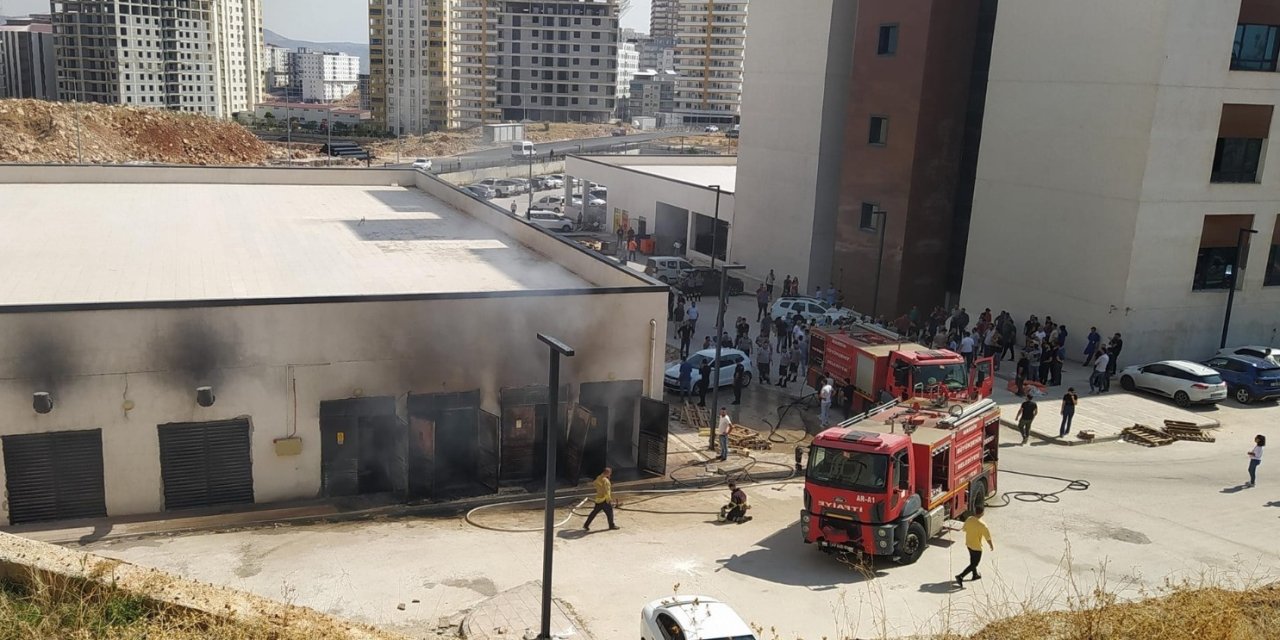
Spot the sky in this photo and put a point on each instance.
(318, 20)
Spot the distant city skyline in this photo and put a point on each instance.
(318, 20)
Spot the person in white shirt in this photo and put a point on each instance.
(1097, 381)
(723, 426)
(824, 399)
(966, 348)
(1255, 458)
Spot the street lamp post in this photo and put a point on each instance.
(715, 227)
(1235, 279)
(328, 126)
(875, 296)
(530, 207)
(557, 349)
(715, 366)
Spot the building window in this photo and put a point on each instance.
(1217, 251)
(888, 42)
(1242, 133)
(1272, 276)
(868, 220)
(1255, 47)
(879, 133)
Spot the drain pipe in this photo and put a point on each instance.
(653, 346)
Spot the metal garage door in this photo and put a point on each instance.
(205, 463)
(54, 476)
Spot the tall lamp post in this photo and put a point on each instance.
(715, 366)
(882, 222)
(715, 227)
(530, 207)
(1235, 279)
(557, 349)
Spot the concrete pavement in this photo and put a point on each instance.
(517, 614)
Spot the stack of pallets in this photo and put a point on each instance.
(695, 417)
(1187, 431)
(741, 437)
(1145, 436)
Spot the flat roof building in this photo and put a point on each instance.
(221, 336)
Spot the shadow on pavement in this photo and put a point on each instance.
(941, 588)
(786, 559)
(1273, 503)
(1236, 489)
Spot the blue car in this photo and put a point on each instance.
(1248, 379)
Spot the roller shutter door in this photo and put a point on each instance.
(205, 464)
(54, 476)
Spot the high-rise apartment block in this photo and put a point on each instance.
(26, 59)
(710, 42)
(200, 56)
(409, 71)
(663, 19)
(658, 54)
(628, 66)
(276, 61)
(323, 76)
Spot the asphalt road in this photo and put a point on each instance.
(573, 146)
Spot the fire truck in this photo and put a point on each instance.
(874, 365)
(884, 482)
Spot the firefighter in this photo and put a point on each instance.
(736, 510)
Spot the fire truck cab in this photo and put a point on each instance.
(883, 483)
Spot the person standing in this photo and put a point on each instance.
(677, 314)
(966, 348)
(692, 315)
(1055, 364)
(824, 400)
(1026, 414)
(786, 286)
(1069, 401)
(1113, 350)
(1091, 346)
(1255, 458)
(685, 332)
(768, 283)
(686, 378)
(780, 328)
(762, 302)
(975, 531)
(739, 379)
(723, 427)
(704, 372)
(797, 356)
(631, 249)
(784, 364)
(764, 358)
(603, 500)
(1098, 381)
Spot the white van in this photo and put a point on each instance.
(522, 149)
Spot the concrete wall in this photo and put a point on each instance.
(511, 171)
(145, 174)
(796, 78)
(638, 194)
(276, 363)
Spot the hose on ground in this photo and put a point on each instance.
(1008, 497)
(782, 412)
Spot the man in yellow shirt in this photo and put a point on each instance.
(603, 499)
(975, 531)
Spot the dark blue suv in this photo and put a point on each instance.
(1248, 378)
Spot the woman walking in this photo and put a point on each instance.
(1091, 347)
(1255, 458)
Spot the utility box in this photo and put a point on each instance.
(645, 123)
(288, 446)
(495, 133)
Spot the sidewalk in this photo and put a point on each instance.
(1105, 414)
(516, 614)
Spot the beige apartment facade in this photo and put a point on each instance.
(1124, 150)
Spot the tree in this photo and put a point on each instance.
(269, 120)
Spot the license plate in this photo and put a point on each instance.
(1218, 394)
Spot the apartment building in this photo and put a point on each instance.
(554, 60)
(204, 56)
(26, 59)
(658, 54)
(362, 85)
(276, 61)
(409, 69)
(710, 43)
(323, 76)
(1116, 195)
(651, 93)
(628, 66)
(663, 19)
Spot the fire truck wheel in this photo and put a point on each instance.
(978, 495)
(913, 544)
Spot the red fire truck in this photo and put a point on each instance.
(875, 365)
(883, 483)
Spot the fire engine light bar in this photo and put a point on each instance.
(860, 436)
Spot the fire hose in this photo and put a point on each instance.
(1035, 496)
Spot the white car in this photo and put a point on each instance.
(692, 618)
(1186, 382)
(507, 188)
(550, 220)
(838, 315)
(729, 360)
(550, 203)
(1266, 353)
(422, 163)
(811, 309)
(555, 181)
(711, 128)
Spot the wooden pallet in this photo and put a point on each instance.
(1183, 431)
(695, 417)
(744, 438)
(1145, 436)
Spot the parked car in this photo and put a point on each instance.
(1267, 353)
(555, 181)
(492, 183)
(526, 185)
(711, 128)
(599, 194)
(1186, 382)
(811, 309)
(550, 220)
(706, 281)
(1248, 379)
(507, 188)
(422, 163)
(559, 177)
(522, 149)
(729, 359)
(692, 618)
(618, 132)
(550, 203)
(666, 268)
(481, 191)
(733, 131)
